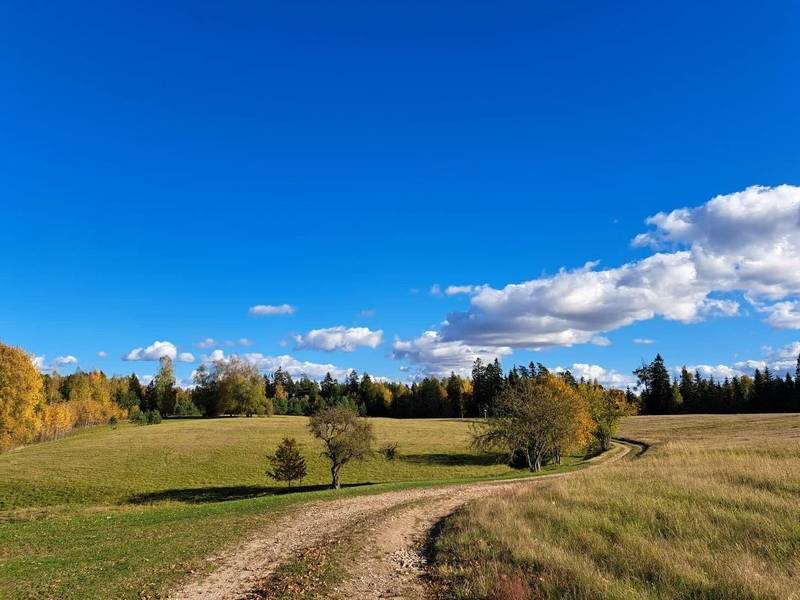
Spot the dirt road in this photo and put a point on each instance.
(393, 527)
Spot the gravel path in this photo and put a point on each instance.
(390, 563)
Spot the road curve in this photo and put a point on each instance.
(392, 525)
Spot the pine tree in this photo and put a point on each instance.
(287, 464)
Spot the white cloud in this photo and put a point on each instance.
(145, 379)
(186, 357)
(747, 242)
(41, 365)
(367, 312)
(206, 343)
(436, 290)
(605, 377)
(346, 339)
(154, 351)
(644, 341)
(780, 361)
(453, 290)
(744, 243)
(718, 372)
(271, 309)
(240, 342)
(64, 360)
(784, 315)
(293, 366)
(102, 354)
(438, 357)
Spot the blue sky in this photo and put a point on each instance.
(165, 169)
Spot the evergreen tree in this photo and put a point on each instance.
(657, 392)
(287, 464)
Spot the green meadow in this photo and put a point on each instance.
(128, 511)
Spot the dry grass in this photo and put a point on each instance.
(711, 510)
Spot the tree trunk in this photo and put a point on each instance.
(537, 461)
(335, 484)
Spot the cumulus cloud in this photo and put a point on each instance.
(154, 351)
(643, 341)
(293, 366)
(272, 309)
(42, 366)
(346, 339)
(605, 377)
(439, 357)
(779, 361)
(784, 315)
(102, 354)
(746, 242)
(206, 343)
(741, 244)
(186, 357)
(718, 372)
(64, 360)
(436, 290)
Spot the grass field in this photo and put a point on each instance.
(710, 510)
(125, 512)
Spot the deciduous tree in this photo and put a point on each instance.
(346, 436)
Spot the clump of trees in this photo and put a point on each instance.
(287, 464)
(607, 407)
(21, 394)
(35, 407)
(345, 435)
(539, 419)
(231, 387)
(692, 393)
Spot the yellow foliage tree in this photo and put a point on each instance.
(20, 397)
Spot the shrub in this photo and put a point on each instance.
(113, 421)
(147, 417)
(389, 450)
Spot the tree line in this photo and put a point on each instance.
(692, 393)
(37, 407)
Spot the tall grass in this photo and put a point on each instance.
(711, 510)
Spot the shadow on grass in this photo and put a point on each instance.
(226, 493)
(451, 460)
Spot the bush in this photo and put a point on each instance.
(113, 421)
(389, 450)
(147, 417)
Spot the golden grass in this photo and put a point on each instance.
(711, 510)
